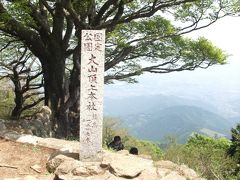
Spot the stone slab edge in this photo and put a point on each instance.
(53, 143)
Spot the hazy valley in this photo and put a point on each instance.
(176, 106)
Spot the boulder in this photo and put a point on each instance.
(113, 166)
(88, 169)
(117, 166)
(8, 134)
(40, 124)
(60, 144)
(169, 170)
(127, 166)
(65, 164)
(187, 172)
(2, 125)
(166, 164)
(25, 124)
(148, 174)
(29, 139)
(38, 128)
(69, 168)
(53, 164)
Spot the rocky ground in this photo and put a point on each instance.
(18, 160)
(27, 157)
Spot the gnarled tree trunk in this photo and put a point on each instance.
(61, 92)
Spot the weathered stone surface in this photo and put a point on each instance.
(170, 170)
(87, 169)
(44, 113)
(66, 167)
(39, 125)
(91, 93)
(53, 143)
(65, 153)
(63, 165)
(173, 175)
(148, 174)
(123, 152)
(2, 125)
(71, 146)
(168, 174)
(187, 172)
(28, 139)
(126, 165)
(8, 134)
(115, 166)
(38, 128)
(25, 124)
(166, 164)
(53, 164)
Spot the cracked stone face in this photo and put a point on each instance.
(118, 166)
(114, 165)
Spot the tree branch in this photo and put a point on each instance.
(16, 29)
(144, 12)
(33, 104)
(118, 58)
(68, 32)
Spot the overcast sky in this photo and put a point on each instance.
(224, 34)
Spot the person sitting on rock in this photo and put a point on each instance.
(134, 151)
(116, 144)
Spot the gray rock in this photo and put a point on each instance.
(60, 144)
(28, 139)
(12, 135)
(87, 169)
(129, 166)
(25, 124)
(40, 124)
(118, 166)
(53, 164)
(38, 128)
(115, 165)
(187, 172)
(170, 170)
(2, 125)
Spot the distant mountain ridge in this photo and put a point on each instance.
(147, 104)
(181, 122)
(155, 117)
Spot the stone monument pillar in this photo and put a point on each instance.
(91, 94)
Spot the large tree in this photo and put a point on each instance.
(18, 65)
(140, 38)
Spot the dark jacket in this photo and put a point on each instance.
(116, 145)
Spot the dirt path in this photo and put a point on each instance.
(16, 159)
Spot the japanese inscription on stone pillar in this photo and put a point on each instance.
(91, 94)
